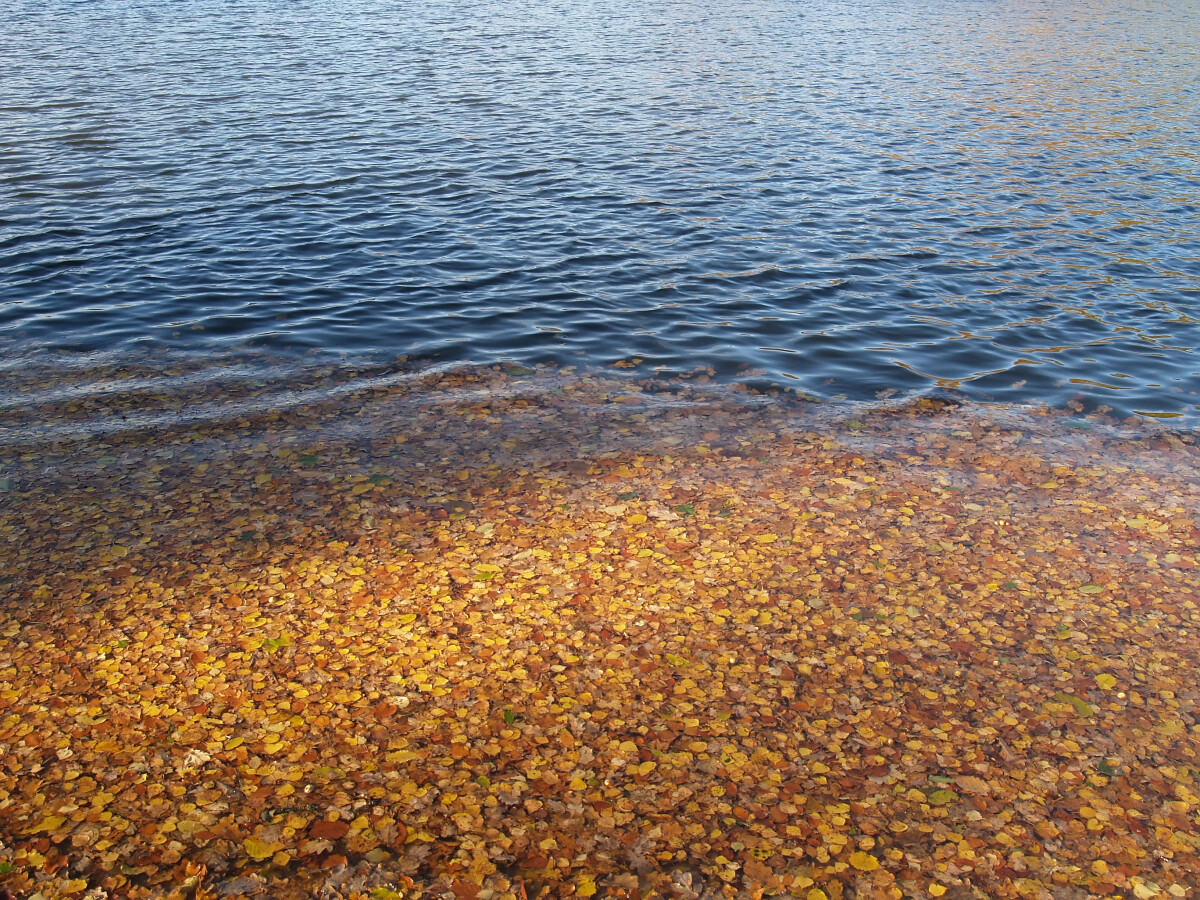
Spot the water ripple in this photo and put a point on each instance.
(846, 198)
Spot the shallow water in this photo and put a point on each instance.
(849, 199)
(420, 622)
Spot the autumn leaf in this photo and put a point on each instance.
(942, 797)
(257, 849)
(972, 784)
(1080, 705)
(327, 830)
(49, 823)
(864, 862)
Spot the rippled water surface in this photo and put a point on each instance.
(851, 198)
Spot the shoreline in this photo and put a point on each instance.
(467, 635)
(48, 396)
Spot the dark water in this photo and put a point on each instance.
(852, 198)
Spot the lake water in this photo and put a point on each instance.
(854, 199)
(391, 439)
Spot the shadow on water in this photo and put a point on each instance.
(347, 453)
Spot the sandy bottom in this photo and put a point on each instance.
(499, 635)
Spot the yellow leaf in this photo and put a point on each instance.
(637, 519)
(1105, 682)
(50, 823)
(1142, 522)
(257, 849)
(864, 862)
(585, 886)
(936, 890)
(1079, 705)
(767, 538)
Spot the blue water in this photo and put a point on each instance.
(855, 199)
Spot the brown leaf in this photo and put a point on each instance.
(328, 830)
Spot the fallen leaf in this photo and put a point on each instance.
(327, 830)
(864, 862)
(49, 823)
(942, 797)
(257, 849)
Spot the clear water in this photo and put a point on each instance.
(855, 199)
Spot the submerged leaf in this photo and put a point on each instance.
(1080, 706)
(257, 849)
(864, 862)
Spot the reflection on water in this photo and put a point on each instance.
(845, 198)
